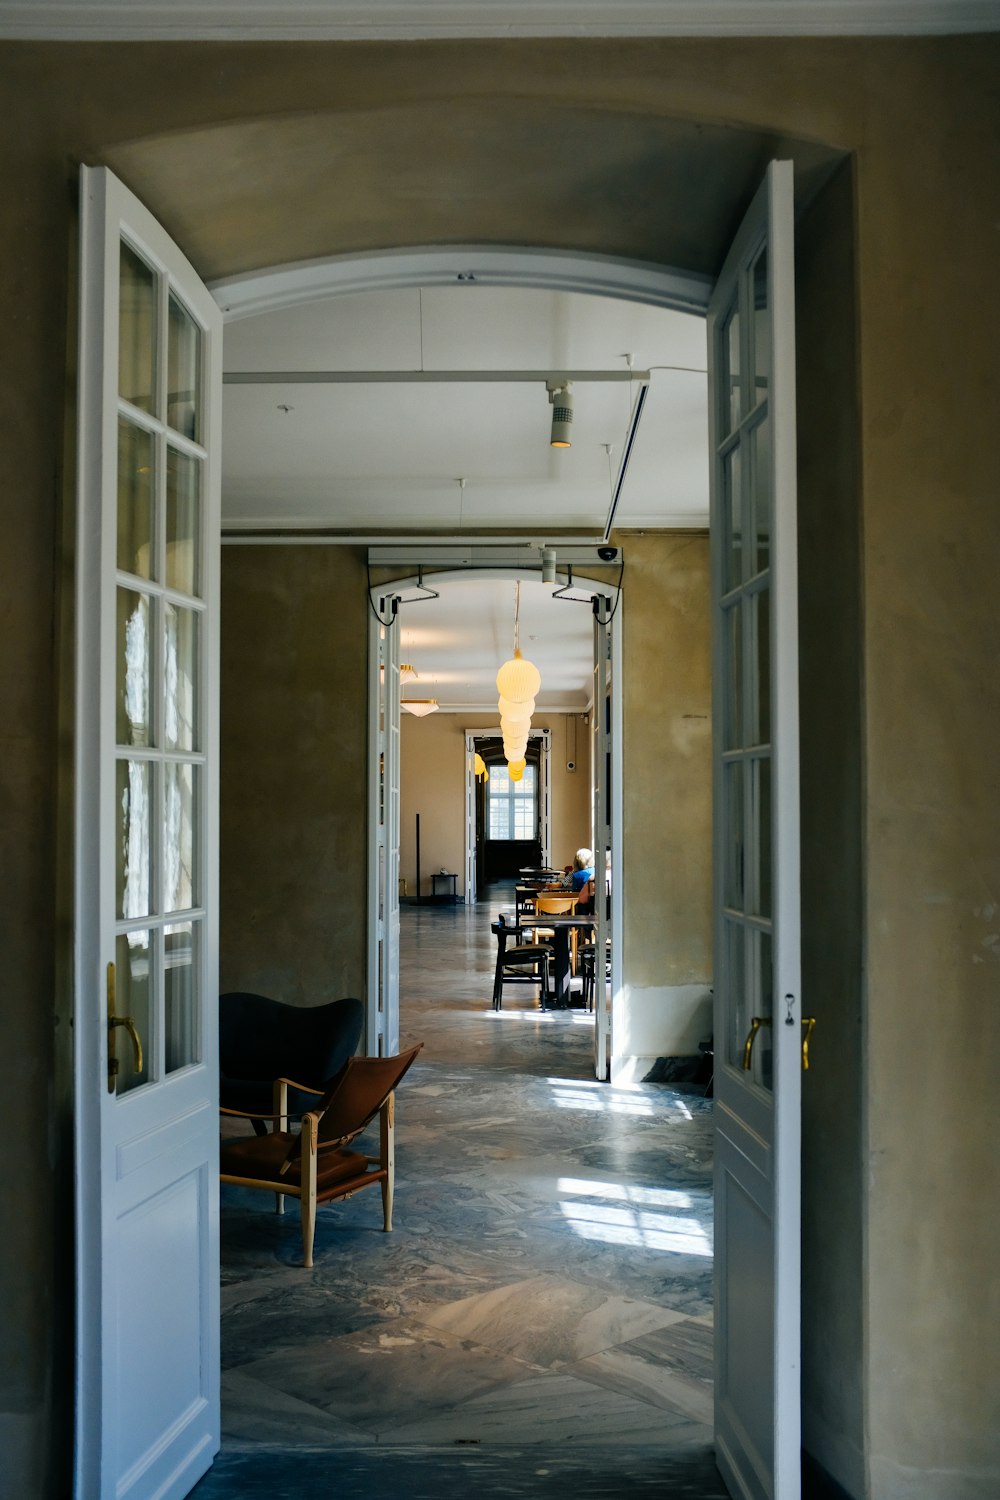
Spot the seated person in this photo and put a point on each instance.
(579, 879)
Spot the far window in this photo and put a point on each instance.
(513, 805)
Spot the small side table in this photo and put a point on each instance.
(444, 887)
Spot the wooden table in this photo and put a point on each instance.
(561, 927)
(443, 886)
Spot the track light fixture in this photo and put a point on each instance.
(561, 401)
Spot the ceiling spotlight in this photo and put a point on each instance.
(548, 565)
(561, 400)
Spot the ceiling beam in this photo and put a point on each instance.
(428, 377)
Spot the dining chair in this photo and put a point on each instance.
(557, 904)
(519, 963)
(312, 1163)
(588, 969)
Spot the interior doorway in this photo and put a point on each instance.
(601, 716)
(520, 822)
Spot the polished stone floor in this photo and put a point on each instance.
(539, 1321)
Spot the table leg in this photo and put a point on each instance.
(561, 964)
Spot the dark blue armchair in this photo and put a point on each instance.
(275, 1058)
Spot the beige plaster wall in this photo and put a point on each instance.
(657, 137)
(929, 311)
(293, 798)
(667, 795)
(432, 783)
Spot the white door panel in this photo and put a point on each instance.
(756, 851)
(601, 760)
(382, 1026)
(146, 858)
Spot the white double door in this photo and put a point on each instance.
(146, 864)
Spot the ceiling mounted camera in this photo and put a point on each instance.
(607, 554)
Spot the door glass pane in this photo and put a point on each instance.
(761, 496)
(136, 329)
(132, 838)
(132, 721)
(733, 497)
(180, 984)
(731, 408)
(180, 676)
(183, 372)
(135, 499)
(734, 677)
(761, 329)
(763, 1047)
(738, 1008)
(762, 771)
(732, 895)
(183, 522)
(133, 997)
(181, 816)
(762, 631)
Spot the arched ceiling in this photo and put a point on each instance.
(495, 169)
(256, 192)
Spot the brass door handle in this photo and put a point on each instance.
(114, 1021)
(755, 1024)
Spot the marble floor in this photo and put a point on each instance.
(539, 1321)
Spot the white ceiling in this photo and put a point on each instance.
(404, 19)
(457, 642)
(359, 457)
(374, 457)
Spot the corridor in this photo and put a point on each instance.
(539, 1321)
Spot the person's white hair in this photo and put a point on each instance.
(583, 858)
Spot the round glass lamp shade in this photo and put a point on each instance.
(479, 765)
(515, 768)
(515, 729)
(514, 750)
(515, 776)
(513, 711)
(518, 679)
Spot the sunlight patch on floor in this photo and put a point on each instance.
(609, 1101)
(621, 1214)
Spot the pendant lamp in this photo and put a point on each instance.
(513, 711)
(518, 679)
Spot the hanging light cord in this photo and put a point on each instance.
(517, 616)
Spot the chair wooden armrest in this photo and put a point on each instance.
(241, 1114)
(279, 1096)
(304, 1088)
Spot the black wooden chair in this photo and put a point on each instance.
(519, 963)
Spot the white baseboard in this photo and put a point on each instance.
(660, 1021)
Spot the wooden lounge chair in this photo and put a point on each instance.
(312, 1164)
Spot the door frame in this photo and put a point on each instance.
(544, 800)
(644, 283)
